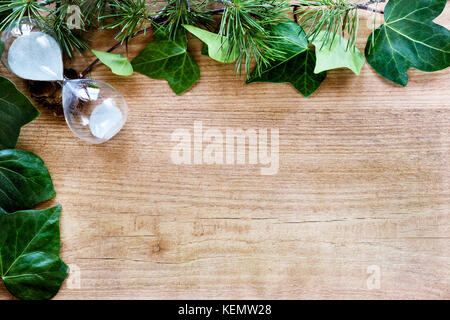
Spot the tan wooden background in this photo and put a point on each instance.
(363, 181)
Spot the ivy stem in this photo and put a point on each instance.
(365, 6)
(94, 63)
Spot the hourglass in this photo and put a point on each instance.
(94, 110)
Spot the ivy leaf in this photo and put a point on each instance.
(15, 111)
(337, 55)
(116, 62)
(30, 265)
(217, 45)
(288, 38)
(298, 71)
(29, 253)
(167, 58)
(24, 180)
(205, 50)
(2, 47)
(409, 39)
(298, 64)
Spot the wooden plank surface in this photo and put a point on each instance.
(363, 186)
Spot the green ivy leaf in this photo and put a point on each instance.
(337, 55)
(205, 50)
(298, 64)
(29, 253)
(116, 62)
(298, 71)
(24, 180)
(289, 39)
(2, 47)
(409, 39)
(15, 111)
(30, 265)
(167, 58)
(218, 47)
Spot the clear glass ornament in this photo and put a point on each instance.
(94, 110)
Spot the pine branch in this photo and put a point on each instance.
(334, 17)
(246, 25)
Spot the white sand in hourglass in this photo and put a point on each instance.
(106, 120)
(36, 56)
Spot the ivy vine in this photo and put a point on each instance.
(258, 36)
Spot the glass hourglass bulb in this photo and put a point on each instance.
(31, 52)
(94, 110)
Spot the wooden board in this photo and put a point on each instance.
(362, 192)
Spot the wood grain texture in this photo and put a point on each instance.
(363, 180)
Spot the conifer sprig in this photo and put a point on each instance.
(335, 17)
(247, 25)
(127, 16)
